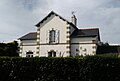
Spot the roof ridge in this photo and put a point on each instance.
(32, 32)
(52, 12)
(88, 28)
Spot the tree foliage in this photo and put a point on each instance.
(9, 49)
(103, 44)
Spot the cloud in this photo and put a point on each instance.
(21, 16)
(93, 13)
(18, 16)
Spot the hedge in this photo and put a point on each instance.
(91, 68)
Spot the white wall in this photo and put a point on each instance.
(29, 48)
(83, 49)
(83, 46)
(57, 24)
(29, 42)
(54, 22)
(28, 45)
(59, 49)
(83, 40)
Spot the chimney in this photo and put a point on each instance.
(74, 20)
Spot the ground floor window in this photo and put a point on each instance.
(52, 54)
(29, 54)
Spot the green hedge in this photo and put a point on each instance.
(94, 68)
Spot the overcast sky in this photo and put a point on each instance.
(18, 17)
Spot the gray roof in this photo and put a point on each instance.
(29, 36)
(93, 32)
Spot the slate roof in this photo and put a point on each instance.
(92, 32)
(29, 36)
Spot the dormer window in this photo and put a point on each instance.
(52, 36)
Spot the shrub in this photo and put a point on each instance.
(90, 68)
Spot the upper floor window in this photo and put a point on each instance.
(52, 36)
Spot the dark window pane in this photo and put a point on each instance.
(52, 36)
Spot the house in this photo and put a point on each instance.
(57, 37)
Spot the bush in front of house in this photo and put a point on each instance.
(90, 68)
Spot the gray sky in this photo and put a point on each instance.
(18, 17)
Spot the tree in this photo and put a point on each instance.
(9, 49)
(103, 44)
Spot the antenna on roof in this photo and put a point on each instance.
(73, 12)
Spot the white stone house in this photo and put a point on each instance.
(57, 37)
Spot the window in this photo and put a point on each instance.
(52, 36)
(52, 54)
(29, 54)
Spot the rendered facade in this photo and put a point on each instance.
(57, 37)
